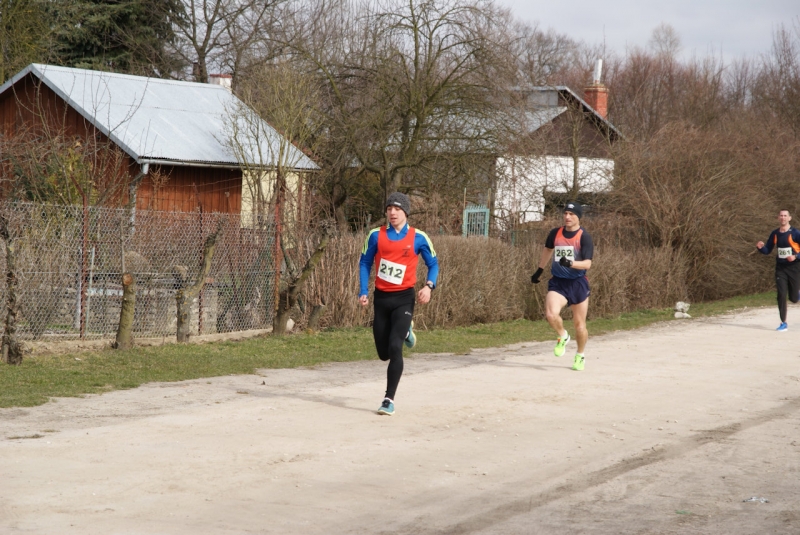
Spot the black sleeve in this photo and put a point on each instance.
(770, 243)
(587, 246)
(550, 242)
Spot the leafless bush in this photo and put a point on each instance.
(692, 193)
(487, 280)
(625, 279)
(335, 283)
(480, 281)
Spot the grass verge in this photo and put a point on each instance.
(42, 377)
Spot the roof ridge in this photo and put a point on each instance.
(110, 74)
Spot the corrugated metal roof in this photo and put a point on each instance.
(165, 120)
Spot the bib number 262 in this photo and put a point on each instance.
(565, 251)
(391, 272)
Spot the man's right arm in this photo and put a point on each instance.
(547, 253)
(766, 248)
(549, 247)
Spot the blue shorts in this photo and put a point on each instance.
(575, 290)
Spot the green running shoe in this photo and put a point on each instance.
(578, 364)
(411, 339)
(561, 346)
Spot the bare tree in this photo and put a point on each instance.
(543, 57)
(665, 41)
(777, 87)
(124, 339)
(189, 289)
(11, 352)
(651, 88)
(225, 34)
(275, 169)
(411, 89)
(685, 181)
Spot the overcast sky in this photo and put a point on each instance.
(736, 28)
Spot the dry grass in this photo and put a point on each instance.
(488, 280)
(480, 281)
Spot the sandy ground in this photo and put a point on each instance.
(668, 430)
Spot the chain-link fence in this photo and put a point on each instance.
(68, 264)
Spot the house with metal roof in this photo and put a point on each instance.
(564, 154)
(180, 132)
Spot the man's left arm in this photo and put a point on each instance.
(796, 240)
(424, 247)
(587, 252)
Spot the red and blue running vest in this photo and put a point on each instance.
(570, 248)
(395, 262)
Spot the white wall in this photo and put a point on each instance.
(522, 181)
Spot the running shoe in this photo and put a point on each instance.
(387, 407)
(411, 339)
(561, 346)
(578, 364)
(782, 327)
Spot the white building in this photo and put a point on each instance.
(567, 150)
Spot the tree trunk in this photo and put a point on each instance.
(186, 294)
(11, 349)
(316, 314)
(125, 328)
(288, 297)
(184, 302)
(281, 318)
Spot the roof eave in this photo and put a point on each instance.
(604, 121)
(16, 78)
(37, 70)
(218, 165)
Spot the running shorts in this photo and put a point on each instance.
(575, 290)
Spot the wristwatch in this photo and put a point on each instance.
(430, 285)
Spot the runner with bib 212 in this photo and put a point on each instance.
(394, 249)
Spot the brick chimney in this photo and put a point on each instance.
(596, 94)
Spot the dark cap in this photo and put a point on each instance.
(400, 200)
(574, 207)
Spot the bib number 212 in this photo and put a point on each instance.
(391, 272)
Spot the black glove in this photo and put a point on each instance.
(535, 276)
(566, 262)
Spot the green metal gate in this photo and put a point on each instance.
(476, 221)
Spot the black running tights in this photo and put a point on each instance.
(787, 280)
(393, 313)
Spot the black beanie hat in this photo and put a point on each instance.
(574, 207)
(400, 200)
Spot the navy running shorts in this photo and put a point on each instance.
(575, 290)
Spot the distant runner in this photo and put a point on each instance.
(574, 250)
(787, 267)
(395, 250)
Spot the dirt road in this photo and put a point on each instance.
(668, 430)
